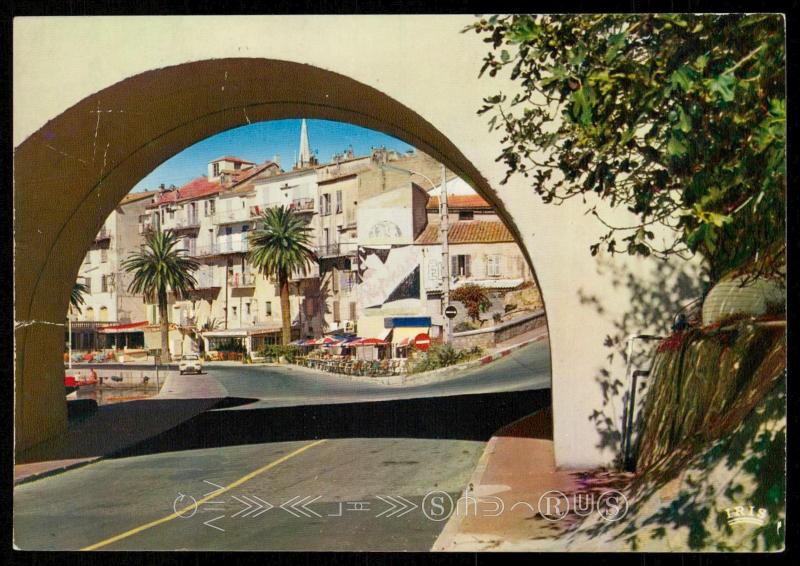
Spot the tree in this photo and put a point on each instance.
(679, 118)
(159, 268)
(76, 300)
(474, 298)
(278, 248)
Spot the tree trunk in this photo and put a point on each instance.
(286, 314)
(164, 320)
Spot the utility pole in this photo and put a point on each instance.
(443, 227)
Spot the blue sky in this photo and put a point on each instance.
(261, 141)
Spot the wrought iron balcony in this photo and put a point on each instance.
(242, 280)
(302, 205)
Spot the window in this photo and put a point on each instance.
(233, 310)
(352, 310)
(335, 280)
(460, 266)
(88, 282)
(245, 227)
(466, 215)
(88, 258)
(212, 206)
(493, 266)
(171, 214)
(104, 284)
(336, 317)
(326, 237)
(103, 314)
(247, 308)
(103, 255)
(338, 202)
(90, 313)
(268, 308)
(325, 204)
(215, 167)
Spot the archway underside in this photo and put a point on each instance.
(73, 172)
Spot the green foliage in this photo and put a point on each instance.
(275, 351)
(474, 298)
(443, 355)
(158, 268)
(280, 246)
(76, 295)
(679, 118)
(231, 345)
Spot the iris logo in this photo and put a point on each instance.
(746, 515)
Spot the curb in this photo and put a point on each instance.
(58, 470)
(502, 353)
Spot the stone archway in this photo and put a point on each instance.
(97, 150)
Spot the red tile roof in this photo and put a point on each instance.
(460, 201)
(467, 232)
(231, 159)
(195, 188)
(243, 176)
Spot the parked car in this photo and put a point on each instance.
(190, 363)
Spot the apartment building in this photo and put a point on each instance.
(108, 301)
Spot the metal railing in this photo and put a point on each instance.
(302, 205)
(334, 250)
(187, 223)
(224, 247)
(232, 216)
(239, 280)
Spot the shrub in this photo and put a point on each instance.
(474, 298)
(443, 355)
(275, 351)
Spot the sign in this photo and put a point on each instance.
(422, 342)
(450, 312)
(406, 321)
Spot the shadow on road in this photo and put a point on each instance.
(460, 417)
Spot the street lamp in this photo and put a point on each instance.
(443, 229)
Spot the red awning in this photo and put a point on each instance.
(368, 342)
(403, 343)
(119, 328)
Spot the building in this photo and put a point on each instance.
(372, 223)
(108, 301)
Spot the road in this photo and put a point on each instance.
(270, 386)
(297, 461)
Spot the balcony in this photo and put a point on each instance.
(242, 280)
(311, 272)
(232, 216)
(191, 222)
(224, 247)
(336, 250)
(302, 205)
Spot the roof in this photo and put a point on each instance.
(248, 174)
(134, 197)
(460, 201)
(467, 232)
(231, 159)
(195, 188)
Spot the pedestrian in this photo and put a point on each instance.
(93, 376)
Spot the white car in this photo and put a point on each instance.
(190, 363)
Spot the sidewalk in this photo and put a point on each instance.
(114, 427)
(504, 492)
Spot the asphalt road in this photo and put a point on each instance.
(270, 386)
(292, 460)
(350, 494)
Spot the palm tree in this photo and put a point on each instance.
(278, 248)
(158, 268)
(76, 296)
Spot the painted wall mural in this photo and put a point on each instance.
(388, 275)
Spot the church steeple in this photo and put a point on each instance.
(304, 158)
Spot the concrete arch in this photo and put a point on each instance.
(85, 102)
(51, 245)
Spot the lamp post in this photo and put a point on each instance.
(443, 230)
(69, 332)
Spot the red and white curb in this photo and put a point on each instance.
(503, 353)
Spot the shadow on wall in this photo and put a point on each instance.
(651, 312)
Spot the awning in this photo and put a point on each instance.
(403, 336)
(241, 332)
(326, 341)
(492, 283)
(120, 328)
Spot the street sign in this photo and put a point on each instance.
(422, 342)
(450, 312)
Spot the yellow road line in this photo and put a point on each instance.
(199, 502)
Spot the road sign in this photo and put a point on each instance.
(422, 342)
(450, 312)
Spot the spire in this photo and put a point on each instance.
(305, 150)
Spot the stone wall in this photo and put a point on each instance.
(486, 338)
